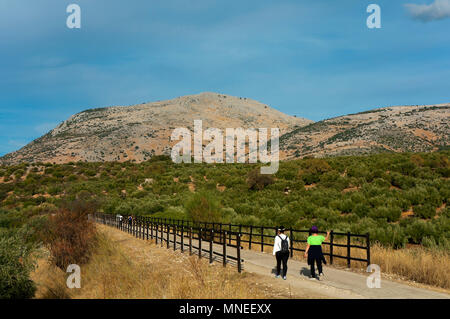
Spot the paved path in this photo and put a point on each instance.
(337, 283)
(345, 283)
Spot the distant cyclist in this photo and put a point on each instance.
(281, 251)
(314, 251)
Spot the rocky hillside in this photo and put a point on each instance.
(138, 132)
(391, 129)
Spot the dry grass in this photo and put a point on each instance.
(417, 264)
(124, 267)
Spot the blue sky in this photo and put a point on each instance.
(315, 59)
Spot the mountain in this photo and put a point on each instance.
(138, 132)
(390, 129)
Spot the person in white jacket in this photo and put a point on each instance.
(281, 251)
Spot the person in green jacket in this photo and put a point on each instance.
(314, 251)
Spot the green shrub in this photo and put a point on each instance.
(424, 211)
(389, 235)
(16, 265)
(258, 181)
(172, 212)
(204, 207)
(11, 218)
(390, 213)
(361, 209)
(419, 229)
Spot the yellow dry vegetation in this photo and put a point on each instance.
(126, 267)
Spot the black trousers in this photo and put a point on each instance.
(319, 266)
(282, 257)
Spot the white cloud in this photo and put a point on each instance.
(439, 9)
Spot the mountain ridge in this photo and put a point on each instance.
(419, 128)
(138, 132)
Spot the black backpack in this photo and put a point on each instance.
(284, 245)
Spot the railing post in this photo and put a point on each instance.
(238, 252)
(331, 246)
(229, 233)
(156, 237)
(262, 238)
(368, 249)
(151, 229)
(211, 241)
(291, 246)
(200, 243)
(182, 238)
(190, 241)
(136, 228)
(250, 238)
(224, 248)
(348, 250)
(240, 231)
(175, 237)
(161, 235)
(168, 238)
(139, 227)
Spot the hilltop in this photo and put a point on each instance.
(390, 129)
(139, 132)
(136, 133)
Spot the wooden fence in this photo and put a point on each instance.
(168, 231)
(182, 236)
(261, 236)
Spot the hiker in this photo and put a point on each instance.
(119, 219)
(281, 251)
(130, 222)
(314, 251)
